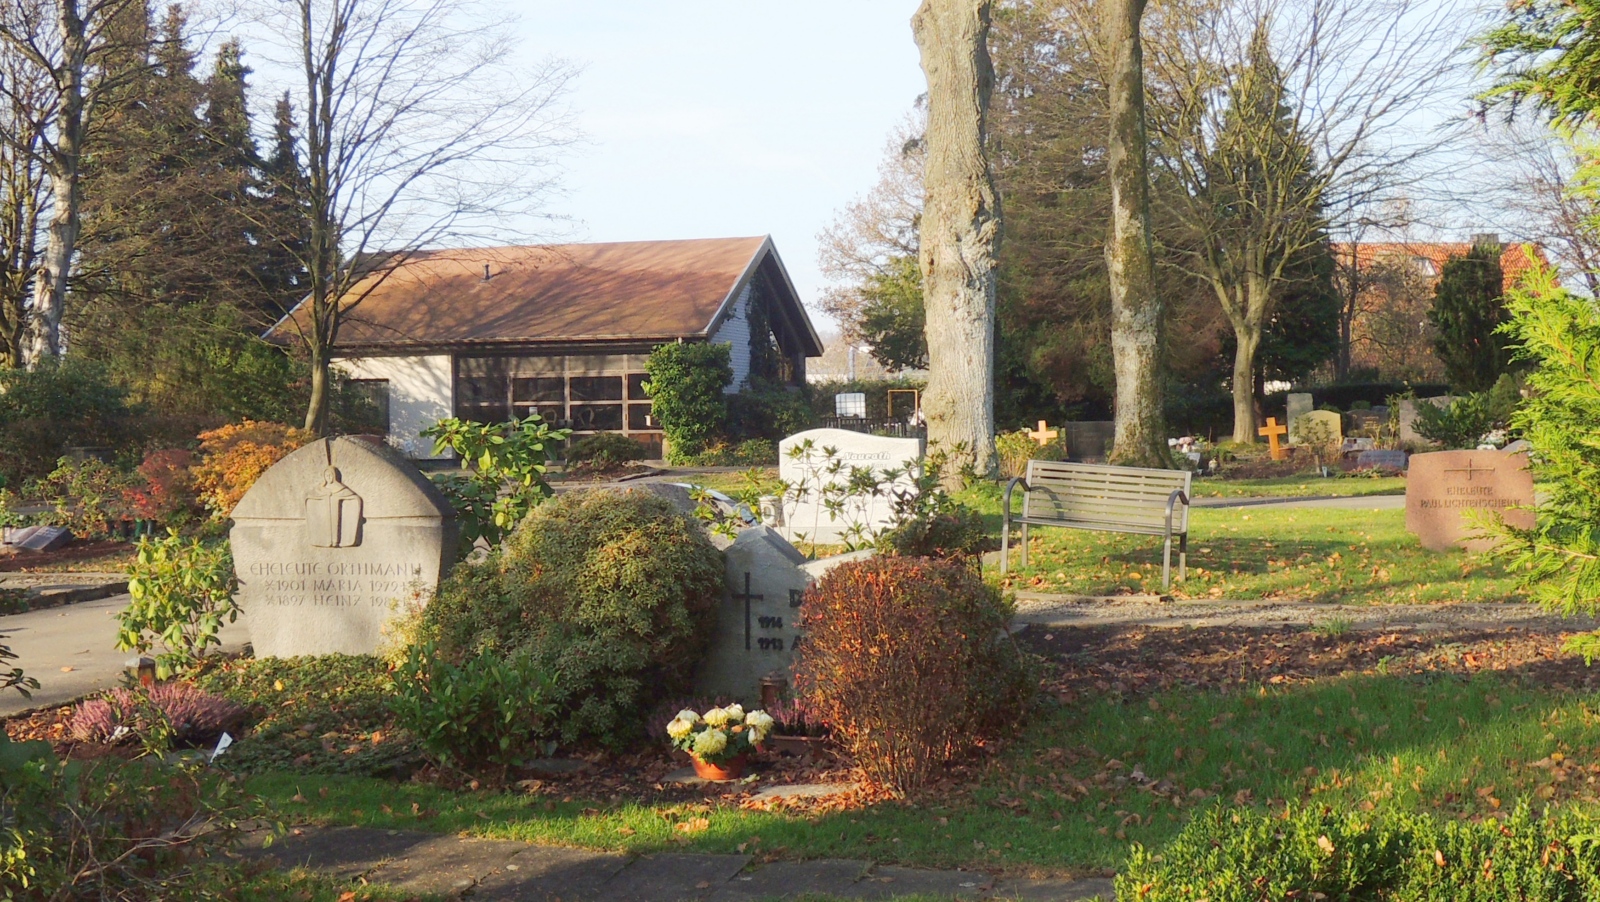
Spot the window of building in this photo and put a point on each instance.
(585, 393)
(372, 405)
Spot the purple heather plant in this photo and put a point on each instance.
(193, 716)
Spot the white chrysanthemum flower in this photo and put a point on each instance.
(760, 723)
(710, 742)
(735, 713)
(679, 728)
(688, 716)
(716, 717)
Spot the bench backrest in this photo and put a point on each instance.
(1096, 493)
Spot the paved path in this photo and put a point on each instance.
(1046, 609)
(491, 869)
(72, 651)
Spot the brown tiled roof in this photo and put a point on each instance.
(546, 293)
(1513, 257)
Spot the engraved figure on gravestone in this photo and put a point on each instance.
(333, 513)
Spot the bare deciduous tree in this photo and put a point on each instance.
(1281, 113)
(60, 46)
(959, 237)
(419, 129)
(23, 198)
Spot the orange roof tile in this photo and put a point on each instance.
(644, 290)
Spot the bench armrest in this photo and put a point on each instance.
(1173, 500)
(1006, 499)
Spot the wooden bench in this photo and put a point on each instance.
(1106, 499)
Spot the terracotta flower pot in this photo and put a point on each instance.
(731, 769)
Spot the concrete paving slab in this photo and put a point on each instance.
(550, 873)
(1054, 890)
(802, 791)
(448, 864)
(892, 882)
(72, 651)
(345, 853)
(787, 879)
(672, 877)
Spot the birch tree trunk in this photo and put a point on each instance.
(50, 290)
(960, 232)
(1136, 306)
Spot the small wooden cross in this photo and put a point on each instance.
(1044, 435)
(1272, 430)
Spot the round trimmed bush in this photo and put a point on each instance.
(613, 593)
(909, 661)
(604, 452)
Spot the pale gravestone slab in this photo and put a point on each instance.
(1300, 404)
(1408, 418)
(1381, 458)
(332, 542)
(758, 624)
(1306, 425)
(1442, 486)
(803, 514)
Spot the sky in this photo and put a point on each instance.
(718, 118)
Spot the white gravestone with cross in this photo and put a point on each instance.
(758, 623)
(813, 461)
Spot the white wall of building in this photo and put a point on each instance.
(735, 330)
(421, 393)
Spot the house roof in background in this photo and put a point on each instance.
(1514, 257)
(635, 290)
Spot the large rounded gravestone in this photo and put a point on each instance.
(332, 542)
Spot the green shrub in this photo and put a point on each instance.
(56, 406)
(1017, 448)
(501, 476)
(603, 452)
(929, 523)
(1457, 425)
(485, 709)
(140, 829)
(88, 495)
(614, 593)
(755, 452)
(909, 661)
(770, 412)
(181, 592)
(685, 388)
(1241, 855)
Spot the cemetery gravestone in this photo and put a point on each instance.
(1088, 440)
(803, 513)
(1299, 405)
(42, 538)
(1441, 486)
(1307, 425)
(1408, 418)
(331, 542)
(758, 625)
(1381, 458)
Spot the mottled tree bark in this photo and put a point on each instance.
(50, 287)
(960, 232)
(1136, 305)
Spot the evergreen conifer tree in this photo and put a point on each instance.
(284, 214)
(1468, 309)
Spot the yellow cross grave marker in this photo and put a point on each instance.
(1272, 430)
(1044, 435)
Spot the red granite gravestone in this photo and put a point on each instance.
(1442, 486)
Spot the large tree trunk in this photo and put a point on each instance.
(50, 289)
(1246, 341)
(1136, 308)
(316, 421)
(960, 232)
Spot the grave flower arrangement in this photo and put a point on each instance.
(721, 736)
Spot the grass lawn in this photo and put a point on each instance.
(1308, 554)
(1138, 733)
(1302, 486)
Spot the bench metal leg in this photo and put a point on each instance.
(1183, 556)
(1024, 544)
(1166, 564)
(1005, 539)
